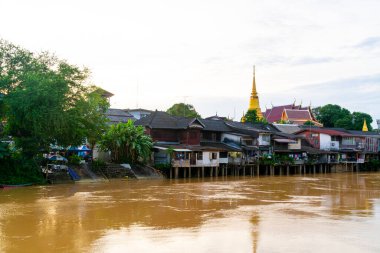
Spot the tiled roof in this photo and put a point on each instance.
(298, 114)
(118, 116)
(215, 125)
(163, 120)
(287, 128)
(361, 133)
(324, 131)
(274, 114)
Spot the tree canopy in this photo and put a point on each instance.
(252, 117)
(46, 100)
(184, 110)
(336, 116)
(127, 143)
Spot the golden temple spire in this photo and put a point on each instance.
(365, 128)
(254, 103)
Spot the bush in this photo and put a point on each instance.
(16, 170)
(372, 165)
(75, 159)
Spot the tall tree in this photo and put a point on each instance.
(358, 120)
(127, 143)
(329, 114)
(46, 100)
(184, 110)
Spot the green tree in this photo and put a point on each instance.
(252, 117)
(358, 120)
(46, 100)
(329, 114)
(94, 110)
(127, 143)
(184, 110)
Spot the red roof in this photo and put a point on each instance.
(298, 114)
(325, 131)
(274, 114)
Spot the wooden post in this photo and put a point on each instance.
(243, 170)
(211, 171)
(314, 169)
(171, 172)
(198, 171)
(203, 172)
(287, 170)
(189, 172)
(258, 169)
(300, 169)
(176, 172)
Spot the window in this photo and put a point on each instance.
(348, 141)
(199, 155)
(265, 138)
(223, 154)
(214, 156)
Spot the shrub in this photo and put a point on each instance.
(75, 159)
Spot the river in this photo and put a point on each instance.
(321, 213)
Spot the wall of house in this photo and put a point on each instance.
(207, 161)
(370, 144)
(167, 135)
(210, 136)
(295, 145)
(324, 141)
(264, 139)
(190, 137)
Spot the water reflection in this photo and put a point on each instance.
(264, 214)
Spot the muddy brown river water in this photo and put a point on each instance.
(321, 213)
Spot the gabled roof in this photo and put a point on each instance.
(274, 114)
(215, 125)
(163, 120)
(118, 116)
(138, 110)
(298, 114)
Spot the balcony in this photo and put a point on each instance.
(181, 163)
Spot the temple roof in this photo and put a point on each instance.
(294, 114)
(274, 114)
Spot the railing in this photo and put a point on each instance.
(181, 163)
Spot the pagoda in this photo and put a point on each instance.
(254, 103)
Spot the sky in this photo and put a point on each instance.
(152, 54)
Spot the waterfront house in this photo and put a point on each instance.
(186, 142)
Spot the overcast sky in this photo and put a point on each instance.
(153, 53)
